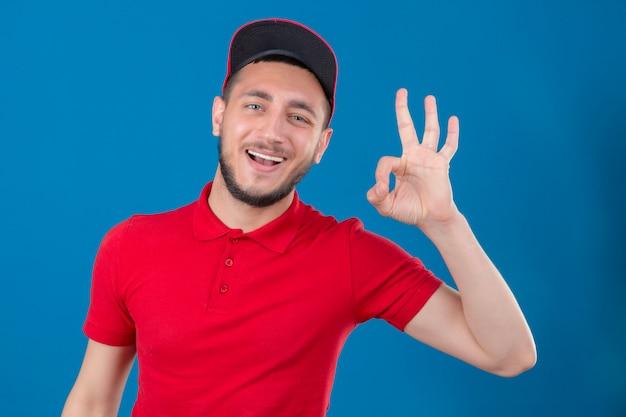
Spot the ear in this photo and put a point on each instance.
(322, 145)
(217, 115)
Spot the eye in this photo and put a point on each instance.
(253, 106)
(299, 119)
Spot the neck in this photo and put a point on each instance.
(238, 215)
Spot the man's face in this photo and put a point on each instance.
(271, 131)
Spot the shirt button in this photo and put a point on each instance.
(234, 239)
(224, 289)
(229, 262)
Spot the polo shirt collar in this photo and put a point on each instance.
(276, 235)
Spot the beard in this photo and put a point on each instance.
(250, 196)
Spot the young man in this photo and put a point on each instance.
(239, 303)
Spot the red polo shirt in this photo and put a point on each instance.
(244, 324)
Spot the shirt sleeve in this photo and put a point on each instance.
(388, 283)
(108, 320)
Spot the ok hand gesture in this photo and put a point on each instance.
(422, 193)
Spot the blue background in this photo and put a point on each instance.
(105, 112)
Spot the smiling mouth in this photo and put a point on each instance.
(267, 160)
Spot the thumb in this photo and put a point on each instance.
(378, 196)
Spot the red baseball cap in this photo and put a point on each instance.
(261, 38)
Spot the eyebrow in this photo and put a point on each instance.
(298, 104)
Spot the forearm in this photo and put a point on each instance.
(491, 311)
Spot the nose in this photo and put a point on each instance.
(272, 128)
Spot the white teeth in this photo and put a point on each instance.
(268, 157)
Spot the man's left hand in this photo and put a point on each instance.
(422, 193)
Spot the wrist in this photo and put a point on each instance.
(444, 228)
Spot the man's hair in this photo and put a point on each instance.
(228, 88)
